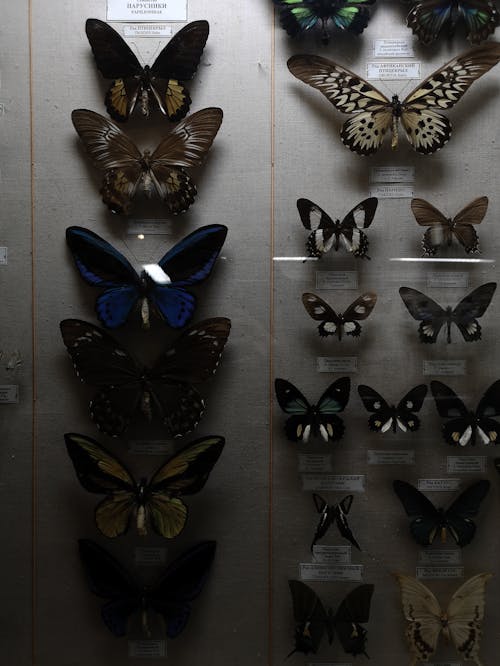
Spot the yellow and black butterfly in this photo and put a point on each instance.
(156, 502)
(134, 84)
(375, 115)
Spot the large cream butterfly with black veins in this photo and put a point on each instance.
(460, 622)
(374, 114)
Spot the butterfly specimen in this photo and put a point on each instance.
(463, 426)
(163, 172)
(134, 85)
(171, 596)
(329, 514)
(441, 229)
(374, 114)
(387, 416)
(297, 16)
(461, 621)
(189, 262)
(429, 18)
(126, 387)
(157, 502)
(428, 521)
(312, 620)
(433, 317)
(327, 234)
(343, 322)
(320, 419)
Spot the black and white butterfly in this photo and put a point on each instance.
(333, 323)
(433, 317)
(318, 420)
(330, 514)
(170, 596)
(126, 387)
(464, 426)
(160, 83)
(386, 417)
(312, 620)
(327, 233)
(441, 229)
(374, 115)
(428, 521)
(428, 19)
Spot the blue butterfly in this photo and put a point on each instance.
(429, 18)
(189, 262)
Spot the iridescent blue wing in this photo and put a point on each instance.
(429, 18)
(481, 18)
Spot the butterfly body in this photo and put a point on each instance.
(388, 417)
(374, 114)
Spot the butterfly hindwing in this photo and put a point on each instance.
(426, 518)
(459, 515)
(352, 612)
(311, 618)
(386, 417)
(470, 308)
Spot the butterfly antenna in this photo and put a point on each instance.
(290, 654)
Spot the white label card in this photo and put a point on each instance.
(376, 457)
(149, 556)
(465, 464)
(444, 368)
(340, 483)
(393, 48)
(451, 279)
(336, 279)
(392, 71)
(392, 174)
(146, 10)
(9, 394)
(440, 572)
(326, 572)
(396, 191)
(438, 485)
(332, 554)
(337, 364)
(440, 557)
(147, 30)
(315, 463)
(3, 256)
(147, 649)
(145, 227)
(154, 447)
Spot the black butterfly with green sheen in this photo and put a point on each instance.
(161, 82)
(428, 521)
(171, 596)
(428, 19)
(156, 502)
(312, 620)
(297, 16)
(320, 419)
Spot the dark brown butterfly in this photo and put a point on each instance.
(136, 85)
(442, 229)
(339, 323)
(161, 172)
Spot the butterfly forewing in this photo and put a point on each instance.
(426, 518)
(459, 515)
(311, 618)
(354, 610)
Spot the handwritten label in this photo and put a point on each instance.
(444, 368)
(337, 364)
(396, 191)
(315, 463)
(392, 174)
(147, 30)
(465, 464)
(9, 394)
(440, 572)
(334, 482)
(440, 557)
(332, 554)
(326, 572)
(147, 227)
(451, 279)
(147, 10)
(392, 71)
(154, 447)
(147, 649)
(393, 48)
(336, 279)
(376, 457)
(3, 256)
(438, 485)
(149, 556)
